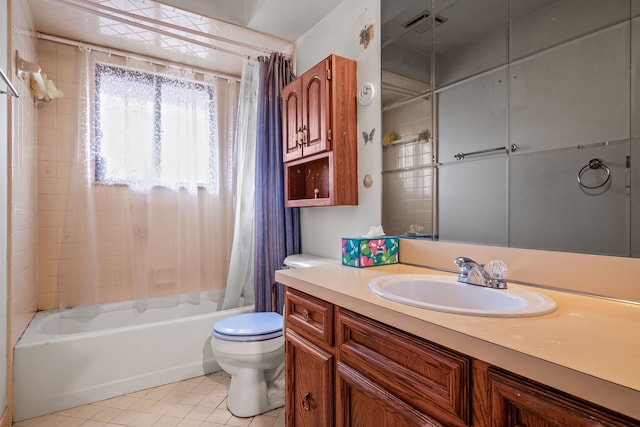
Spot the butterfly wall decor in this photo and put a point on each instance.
(368, 137)
(366, 35)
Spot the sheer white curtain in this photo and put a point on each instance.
(240, 287)
(150, 205)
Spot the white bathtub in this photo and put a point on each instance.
(72, 357)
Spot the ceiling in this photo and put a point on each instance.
(210, 34)
(287, 19)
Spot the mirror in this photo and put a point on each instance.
(512, 122)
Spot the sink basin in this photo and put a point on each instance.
(445, 293)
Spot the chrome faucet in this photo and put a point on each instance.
(475, 274)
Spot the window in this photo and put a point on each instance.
(152, 129)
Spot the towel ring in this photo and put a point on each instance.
(594, 164)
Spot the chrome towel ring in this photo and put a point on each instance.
(594, 164)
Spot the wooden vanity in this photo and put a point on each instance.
(355, 359)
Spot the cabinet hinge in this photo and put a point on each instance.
(328, 74)
(329, 134)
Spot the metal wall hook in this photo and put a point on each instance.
(594, 164)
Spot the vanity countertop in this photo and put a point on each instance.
(588, 347)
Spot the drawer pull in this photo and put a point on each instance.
(306, 402)
(305, 315)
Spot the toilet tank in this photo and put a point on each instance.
(307, 260)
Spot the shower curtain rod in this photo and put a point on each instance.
(137, 21)
(132, 55)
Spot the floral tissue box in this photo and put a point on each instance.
(367, 252)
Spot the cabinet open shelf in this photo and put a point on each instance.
(308, 181)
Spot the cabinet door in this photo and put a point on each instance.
(361, 402)
(309, 383)
(315, 103)
(517, 402)
(292, 120)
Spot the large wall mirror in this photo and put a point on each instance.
(513, 122)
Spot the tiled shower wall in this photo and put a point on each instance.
(407, 175)
(22, 185)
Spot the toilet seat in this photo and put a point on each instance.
(249, 327)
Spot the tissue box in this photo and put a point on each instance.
(367, 252)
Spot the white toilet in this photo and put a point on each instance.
(250, 347)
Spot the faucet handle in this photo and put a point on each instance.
(497, 269)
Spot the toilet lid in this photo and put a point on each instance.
(249, 327)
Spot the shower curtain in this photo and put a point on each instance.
(165, 235)
(240, 286)
(277, 227)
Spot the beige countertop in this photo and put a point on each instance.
(588, 347)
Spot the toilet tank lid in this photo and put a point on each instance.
(249, 324)
(306, 260)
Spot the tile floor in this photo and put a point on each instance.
(196, 402)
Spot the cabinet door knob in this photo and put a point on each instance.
(305, 315)
(306, 402)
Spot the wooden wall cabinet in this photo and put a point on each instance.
(345, 369)
(319, 133)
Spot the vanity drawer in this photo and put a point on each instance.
(310, 317)
(432, 379)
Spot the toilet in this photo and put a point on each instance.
(250, 348)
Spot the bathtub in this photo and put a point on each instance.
(72, 357)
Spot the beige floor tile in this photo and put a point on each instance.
(196, 402)
(174, 396)
(219, 416)
(199, 413)
(147, 420)
(179, 410)
(142, 404)
(93, 423)
(186, 386)
(107, 414)
(213, 401)
(160, 408)
(262, 421)
(68, 422)
(192, 399)
(204, 387)
(167, 421)
(239, 422)
(127, 418)
(189, 423)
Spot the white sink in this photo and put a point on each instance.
(445, 293)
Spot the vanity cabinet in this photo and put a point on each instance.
(319, 134)
(345, 369)
(309, 360)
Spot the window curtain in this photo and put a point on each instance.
(150, 238)
(277, 232)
